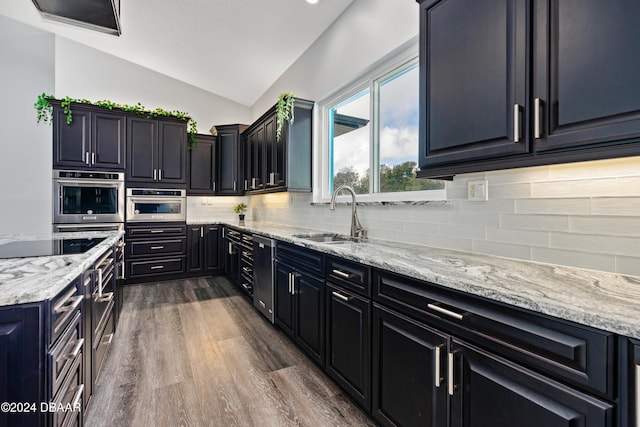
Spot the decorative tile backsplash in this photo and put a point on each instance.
(582, 215)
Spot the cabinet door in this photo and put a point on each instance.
(172, 153)
(272, 173)
(21, 358)
(141, 149)
(490, 391)
(211, 248)
(195, 248)
(348, 359)
(229, 161)
(309, 315)
(473, 58)
(585, 74)
(407, 357)
(107, 134)
(259, 158)
(248, 160)
(202, 166)
(284, 298)
(71, 142)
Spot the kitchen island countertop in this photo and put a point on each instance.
(35, 279)
(598, 299)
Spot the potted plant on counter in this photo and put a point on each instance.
(240, 209)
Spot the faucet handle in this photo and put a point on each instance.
(364, 234)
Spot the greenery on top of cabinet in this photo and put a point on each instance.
(45, 112)
(284, 111)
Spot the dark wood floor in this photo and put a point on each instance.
(195, 353)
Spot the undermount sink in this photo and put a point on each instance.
(329, 238)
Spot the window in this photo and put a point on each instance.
(371, 136)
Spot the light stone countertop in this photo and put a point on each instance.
(602, 300)
(35, 279)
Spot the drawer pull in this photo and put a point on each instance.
(105, 298)
(342, 274)
(61, 307)
(107, 339)
(516, 123)
(437, 371)
(156, 231)
(76, 349)
(75, 403)
(156, 247)
(446, 312)
(340, 296)
(157, 267)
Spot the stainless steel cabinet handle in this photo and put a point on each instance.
(290, 283)
(86, 158)
(253, 183)
(156, 231)
(93, 158)
(437, 370)
(536, 119)
(99, 282)
(446, 312)
(75, 302)
(159, 174)
(157, 267)
(156, 247)
(214, 186)
(340, 296)
(201, 232)
(450, 379)
(75, 403)
(272, 178)
(76, 349)
(516, 123)
(58, 308)
(107, 339)
(234, 186)
(122, 271)
(155, 174)
(342, 274)
(106, 298)
(246, 185)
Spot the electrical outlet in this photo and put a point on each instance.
(478, 190)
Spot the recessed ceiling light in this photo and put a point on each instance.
(312, 1)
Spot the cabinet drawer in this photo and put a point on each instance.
(64, 353)
(64, 307)
(247, 241)
(158, 247)
(69, 396)
(101, 346)
(156, 231)
(301, 258)
(570, 352)
(351, 275)
(155, 268)
(233, 235)
(247, 255)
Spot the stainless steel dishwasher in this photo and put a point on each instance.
(263, 275)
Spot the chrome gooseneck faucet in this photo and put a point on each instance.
(356, 227)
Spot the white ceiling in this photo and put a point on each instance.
(232, 48)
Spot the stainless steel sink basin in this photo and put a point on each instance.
(329, 238)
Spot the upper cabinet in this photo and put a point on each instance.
(229, 160)
(156, 152)
(202, 167)
(284, 164)
(504, 85)
(95, 139)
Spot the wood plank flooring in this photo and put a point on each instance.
(194, 352)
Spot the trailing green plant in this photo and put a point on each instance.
(284, 111)
(45, 112)
(240, 208)
(44, 108)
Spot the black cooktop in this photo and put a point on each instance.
(49, 247)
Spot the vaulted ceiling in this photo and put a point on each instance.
(232, 48)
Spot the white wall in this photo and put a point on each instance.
(584, 215)
(25, 148)
(83, 72)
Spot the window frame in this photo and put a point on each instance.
(370, 79)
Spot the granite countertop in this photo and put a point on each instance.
(602, 300)
(34, 279)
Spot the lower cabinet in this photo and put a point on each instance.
(300, 308)
(348, 342)
(203, 248)
(155, 250)
(409, 388)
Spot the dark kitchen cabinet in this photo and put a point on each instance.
(157, 152)
(280, 164)
(230, 163)
(21, 359)
(203, 252)
(95, 139)
(489, 391)
(348, 342)
(507, 84)
(300, 296)
(155, 250)
(409, 370)
(202, 166)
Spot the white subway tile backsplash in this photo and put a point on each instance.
(574, 258)
(628, 265)
(596, 243)
(618, 206)
(465, 231)
(448, 242)
(518, 237)
(574, 188)
(475, 218)
(535, 222)
(566, 206)
(626, 166)
(502, 249)
(605, 225)
(509, 191)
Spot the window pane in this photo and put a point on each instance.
(398, 134)
(349, 143)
